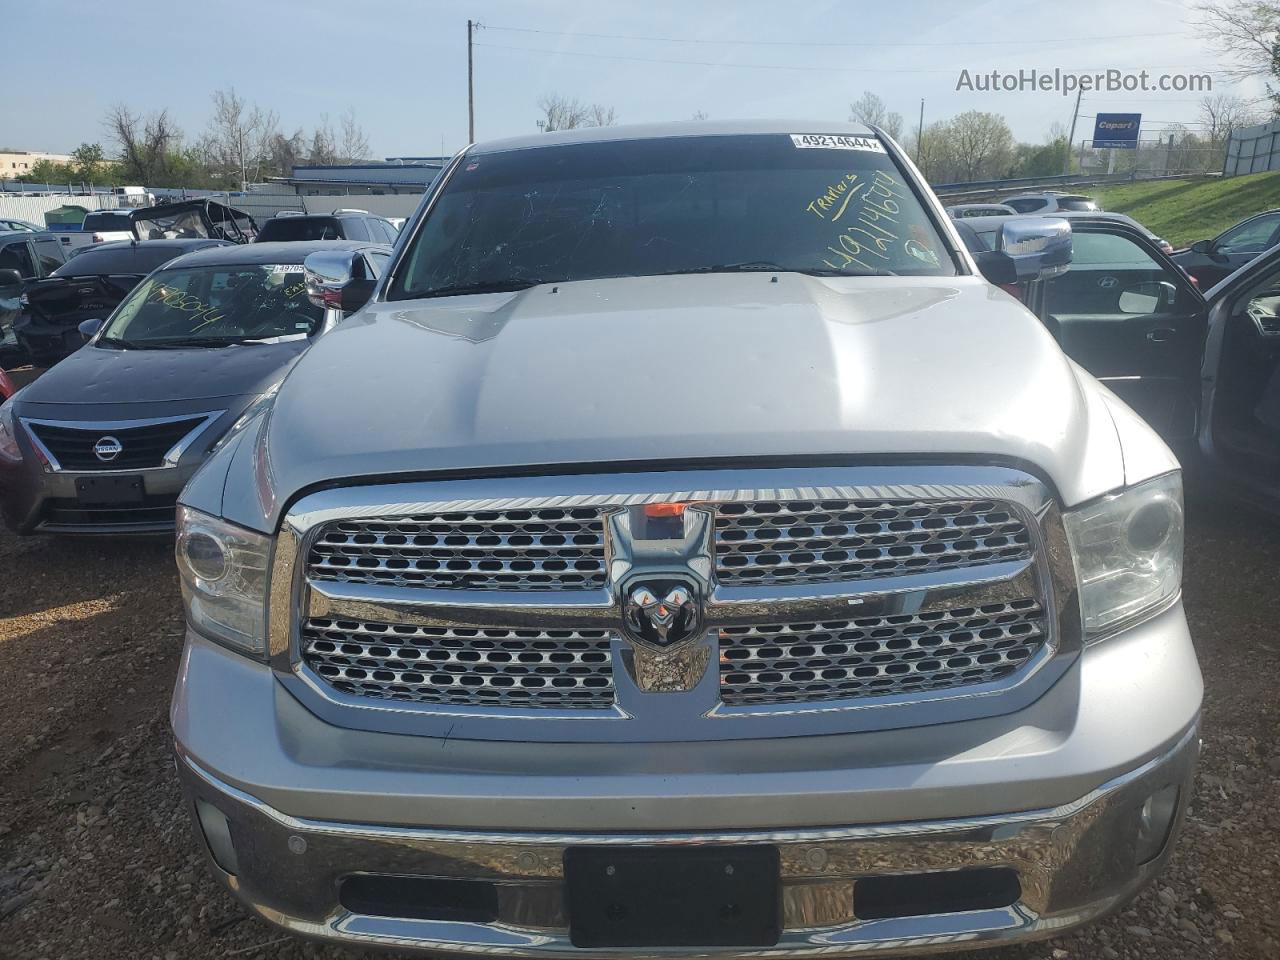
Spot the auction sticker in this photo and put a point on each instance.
(833, 141)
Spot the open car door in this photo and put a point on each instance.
(1131, 317)
(193, 219)
(1239, 434)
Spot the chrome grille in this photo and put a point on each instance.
(877, 656)
(538, 549)
(468, 667)
(816, 541)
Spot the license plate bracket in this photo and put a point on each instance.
(673, 897)
(110, 490)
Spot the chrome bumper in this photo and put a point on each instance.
(1074, 863)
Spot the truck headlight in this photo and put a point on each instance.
(224, 580)
(9, 432)
(1128, 553)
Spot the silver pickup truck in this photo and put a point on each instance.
(686, 550)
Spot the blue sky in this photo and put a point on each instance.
(402, 63)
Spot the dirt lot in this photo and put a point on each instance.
(96, 859)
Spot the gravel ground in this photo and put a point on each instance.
(96, 859)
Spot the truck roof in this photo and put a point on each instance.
(682, 128)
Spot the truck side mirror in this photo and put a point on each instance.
(338, 280)
(10, 278)
(1040, 247)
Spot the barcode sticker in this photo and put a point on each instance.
(833, 141)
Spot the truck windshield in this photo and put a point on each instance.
(820, 204)
(214, 306)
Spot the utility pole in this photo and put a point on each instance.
(920, 132)
(471, 87)
(1071, 137)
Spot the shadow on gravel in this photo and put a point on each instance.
(44, 573)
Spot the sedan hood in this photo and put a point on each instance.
(661, 370)
(109, 377)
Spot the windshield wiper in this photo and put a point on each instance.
(177, 343)
(484, 286)
(120, 343)
(767, 266)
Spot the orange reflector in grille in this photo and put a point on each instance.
(665, 509)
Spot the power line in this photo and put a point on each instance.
(769, 66)
(825, 43)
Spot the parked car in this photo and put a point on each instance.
(339, 225)
(1097, 215)
(24, 258)
(990, 226)
(962, 210)
(684, 519)
(7, 389)
(20, 226)
(88, 285)
(103, 442)
(1203, 369)
(1210, 261)
(180, 220)
(1050, 201)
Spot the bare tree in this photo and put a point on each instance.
(237, 144)
(352, 145)
(144, 143)
(287, 152)
(566, 113)
(1221, 114)
(982, 142)
(871, 110)
(1246, 33)
(699, 115)
(324, 145)
(598, 115)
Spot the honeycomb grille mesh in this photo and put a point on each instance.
(877, 656)
(468, 667)
(540, 549)
(816, 541)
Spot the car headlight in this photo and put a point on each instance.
(1128, 553)
(9, 432)
(224, 571)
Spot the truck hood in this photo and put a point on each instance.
(660, 370)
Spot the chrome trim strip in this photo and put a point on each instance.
(171, 457)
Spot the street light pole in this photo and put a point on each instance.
(1071, 137)
(920, 132)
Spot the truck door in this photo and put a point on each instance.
(1132, 318)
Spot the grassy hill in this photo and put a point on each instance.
(1184, 211)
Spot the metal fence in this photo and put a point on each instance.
(32, 207)
(1253, 150)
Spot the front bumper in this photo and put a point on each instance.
(36, 500)
(1051, 792)
(1074, 863)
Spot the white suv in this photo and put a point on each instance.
(1051, 201)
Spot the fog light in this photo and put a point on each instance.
(217, 834)
(1155, 821)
